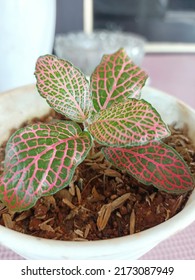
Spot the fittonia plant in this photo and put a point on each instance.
(41, 158)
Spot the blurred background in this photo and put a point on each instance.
(159, 35)
(156, 20)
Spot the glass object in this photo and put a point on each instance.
(86, 50)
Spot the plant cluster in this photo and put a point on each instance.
(41, 158)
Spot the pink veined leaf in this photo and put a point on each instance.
(64, 87)
(40, 160)
(155, 163)
(131, 123)
(116, 79)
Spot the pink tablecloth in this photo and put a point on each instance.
(175, 75)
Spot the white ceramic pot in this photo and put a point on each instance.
(24, 103)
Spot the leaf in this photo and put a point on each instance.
(64, 87)
(155, 163)
(41, 160)
(132, 123)
(116, 79)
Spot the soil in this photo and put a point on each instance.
(100, 202)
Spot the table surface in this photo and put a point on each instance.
(174, 74)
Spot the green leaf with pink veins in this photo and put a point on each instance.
(64, 87)
(116, 79)
(40, 160)
(155, 163)
(131, 123)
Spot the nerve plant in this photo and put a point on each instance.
(41, 158)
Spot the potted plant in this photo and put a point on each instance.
(105, 120)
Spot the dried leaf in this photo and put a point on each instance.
(44, 226)
(78, 193)
(132, 222)
(97, 156)
(68, 203)
(106, 210)
(72, 190)
(79, 232)
(78, 239)
(147, 198)
(23, 215)
(50, 200)
(158, 208)
(64, 193)
(119, 201)
(112, 173)
(167, 214)
(93, 178)
(87, 230)
(152, 196)
(177, 203)
(8, 221)
(2, 206)
(71, 215)
(97, 196)
(103, 216)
